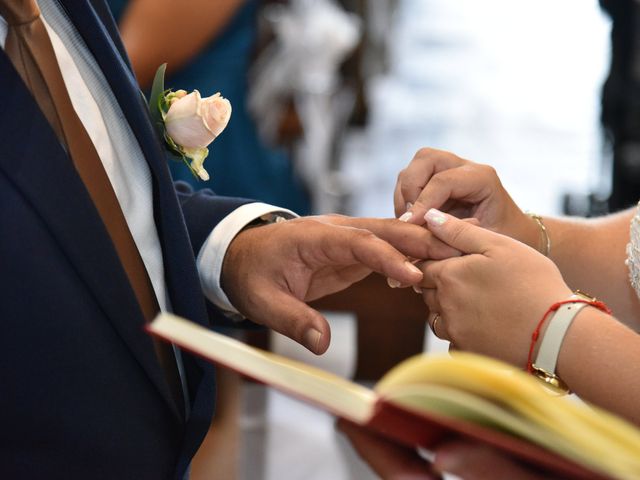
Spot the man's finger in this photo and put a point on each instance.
(381, 257)
(411, 240)
(459, 234)
(335, 241)
(284, 313)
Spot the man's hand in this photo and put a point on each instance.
(269, 272)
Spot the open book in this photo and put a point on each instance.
(427, 399)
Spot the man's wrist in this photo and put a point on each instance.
(266, 219)
(212, 254)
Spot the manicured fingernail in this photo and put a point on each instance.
(408, 206)
(412, 268)
(435, 217)
(418, 290)
(406, 216)
(312, 339)
(393, 283)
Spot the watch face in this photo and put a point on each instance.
(550, 381)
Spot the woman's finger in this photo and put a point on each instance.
(389, 460)
(461, 235)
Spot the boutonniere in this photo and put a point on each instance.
(187, 122)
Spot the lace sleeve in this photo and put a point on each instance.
(633, 252)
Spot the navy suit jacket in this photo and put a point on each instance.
(81, 392)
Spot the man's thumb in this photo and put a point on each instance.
(297, 320)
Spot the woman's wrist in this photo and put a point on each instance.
(599, 361)
(519, 225)
(577, 342)
(548, 338)
(543, 244)
(538, 322)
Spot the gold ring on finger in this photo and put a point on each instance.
(434, 323)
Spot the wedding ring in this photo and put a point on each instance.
(433, 323)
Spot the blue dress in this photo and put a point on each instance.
(239, 163)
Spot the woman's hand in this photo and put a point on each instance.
(442, 180)
(468, 461)
(388, 460)
(490, 298)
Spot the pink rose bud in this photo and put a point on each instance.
(177, 95)
(194, 122)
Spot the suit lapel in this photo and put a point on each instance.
(33, 159)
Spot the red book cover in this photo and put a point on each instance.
(412, 428)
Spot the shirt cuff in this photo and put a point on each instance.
(214, 248)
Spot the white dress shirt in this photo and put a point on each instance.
(130, 177)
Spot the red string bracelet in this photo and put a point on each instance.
(553, 308)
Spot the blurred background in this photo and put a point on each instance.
(333, 98)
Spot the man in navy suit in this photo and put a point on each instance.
(82, 394)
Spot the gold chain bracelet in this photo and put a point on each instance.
(545, 241)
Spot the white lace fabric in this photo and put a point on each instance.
(633, 252)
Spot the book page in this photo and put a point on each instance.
(485, 390)
(461, 405)
(337, 395)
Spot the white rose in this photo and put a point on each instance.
(193, 122)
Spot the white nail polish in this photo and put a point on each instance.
(406, 216)
(393, 283)
(435, 217)
(412, 268)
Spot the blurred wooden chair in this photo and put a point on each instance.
(391, 328)
(391, 323)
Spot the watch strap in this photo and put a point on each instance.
(551, 343)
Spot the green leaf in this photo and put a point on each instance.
(179, 152)
(157, 96)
